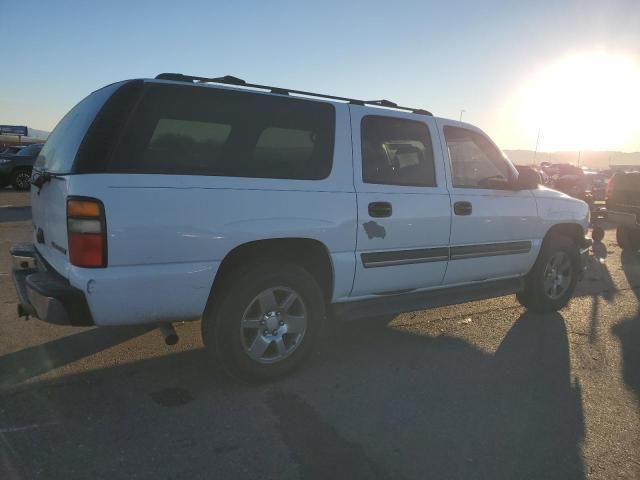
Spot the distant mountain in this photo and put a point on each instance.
(594, 160)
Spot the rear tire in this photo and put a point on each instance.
(628, 239)
(21, 179)
(552, 280)
(263, 320)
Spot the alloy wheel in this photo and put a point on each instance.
(273, 325)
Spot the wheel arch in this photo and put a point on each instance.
(572, 231)
(311, 254)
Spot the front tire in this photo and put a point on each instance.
(263, 320)
(552, 280)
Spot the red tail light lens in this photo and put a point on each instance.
(86, 232)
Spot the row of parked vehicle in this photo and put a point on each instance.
(587, 185)
(16, 164)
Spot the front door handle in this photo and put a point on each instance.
(380, 209)
(462, 208)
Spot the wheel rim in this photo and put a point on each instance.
(557, 275)
(23, 180)
(273, 325)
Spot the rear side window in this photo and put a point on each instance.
(396, 151)
(59, 152)
(204, 131)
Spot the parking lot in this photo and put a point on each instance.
(479, 390)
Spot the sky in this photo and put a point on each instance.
(563, 73)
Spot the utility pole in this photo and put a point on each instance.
(535, 153)
(461, 112)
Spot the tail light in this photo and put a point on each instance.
(607, 190)
(87, 232)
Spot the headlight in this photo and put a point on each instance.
(4, 160)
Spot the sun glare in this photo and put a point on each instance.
(588, 101)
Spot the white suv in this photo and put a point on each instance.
(260, 210)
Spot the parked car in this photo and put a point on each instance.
(597, 184)
(262, 210)
(15, 168)
(12, 149)
(577, 186)
(556, 170)
(623, 208)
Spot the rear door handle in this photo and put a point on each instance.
(462, 208)
(380, 209)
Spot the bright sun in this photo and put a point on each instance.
(588, 101)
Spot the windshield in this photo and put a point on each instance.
(29, 151)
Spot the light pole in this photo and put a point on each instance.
(461, 112)
(535, 153)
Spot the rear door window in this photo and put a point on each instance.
(396, 151)
(207, 131)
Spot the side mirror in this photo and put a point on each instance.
(528, 179)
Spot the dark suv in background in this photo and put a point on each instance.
(15, 168)
(623, 208)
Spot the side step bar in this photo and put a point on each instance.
(410, 302)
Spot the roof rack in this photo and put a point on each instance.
(231, 80)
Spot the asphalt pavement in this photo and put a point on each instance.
(479, 390)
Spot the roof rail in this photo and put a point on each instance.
(231, 80)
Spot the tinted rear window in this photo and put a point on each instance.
(204, 131)
(626, 181)
(59, 152)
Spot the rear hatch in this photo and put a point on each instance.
(83, 135)
(624, 194)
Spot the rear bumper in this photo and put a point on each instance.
(43, 293)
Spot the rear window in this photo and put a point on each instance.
(396, 151)
(626, 181)
(204, 131)
(59, 152)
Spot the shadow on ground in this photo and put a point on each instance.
(33, 361)
(14, 214)
(628, 331)
(374, 402)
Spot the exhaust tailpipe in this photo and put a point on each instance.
(169, 333)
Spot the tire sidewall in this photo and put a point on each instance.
(627, 238)
(225, 336)
(539, 300)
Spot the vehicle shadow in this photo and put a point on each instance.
(375, 401)
(14, 214)
(599, 285)
(628, 331)
(27, 363)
